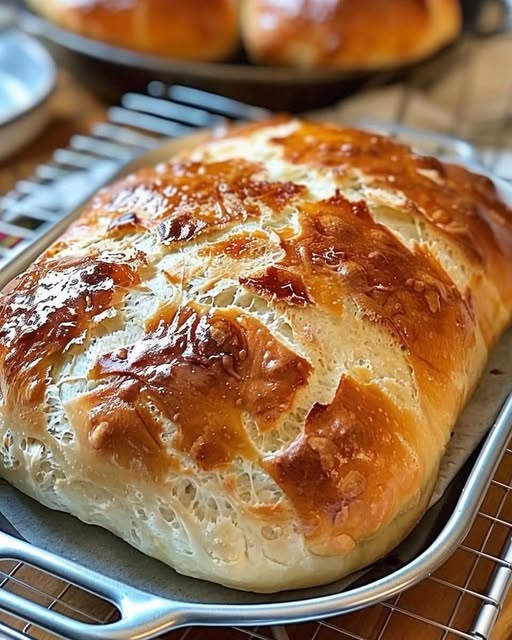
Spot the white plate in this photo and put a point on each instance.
(27, 78)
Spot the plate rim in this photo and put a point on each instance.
(37, 52)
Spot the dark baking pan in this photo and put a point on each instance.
(110, 71)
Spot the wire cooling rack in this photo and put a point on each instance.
(462, 599)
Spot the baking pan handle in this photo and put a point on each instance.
(141, 615)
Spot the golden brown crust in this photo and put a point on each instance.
(348, 33)
(222, 364)
(464, 207)
(357, 451)
(44, 311)
(183, 200)
(295, 334)
(182, 29)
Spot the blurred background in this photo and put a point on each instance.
(88, 85)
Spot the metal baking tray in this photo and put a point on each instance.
(144, 615)
(111, 71)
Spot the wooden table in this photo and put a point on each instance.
(74, 110)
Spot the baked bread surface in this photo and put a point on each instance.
(348, 34)
(247, 361)
(184, 29)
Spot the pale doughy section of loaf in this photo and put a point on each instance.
(247, 362)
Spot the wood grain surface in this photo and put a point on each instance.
(503, 628)
(442, 599)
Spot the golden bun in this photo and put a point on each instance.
(205, 30)
(347, 34)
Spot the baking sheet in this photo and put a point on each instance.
(99, 550)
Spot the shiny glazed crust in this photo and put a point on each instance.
(184, 29)
(347, 34)
(247, 361)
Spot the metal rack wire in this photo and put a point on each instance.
(463, 597)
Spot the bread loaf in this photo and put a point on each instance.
(184, 29)
(348, 34)
(247, 361)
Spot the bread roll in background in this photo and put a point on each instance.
(347, 34)
(247, 361)
(205, 30)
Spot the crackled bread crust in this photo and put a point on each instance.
(247, 361)
(347, 34)
(184, 29)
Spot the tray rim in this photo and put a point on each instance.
(145, 615)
